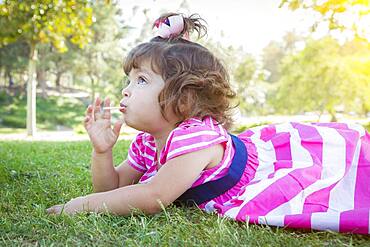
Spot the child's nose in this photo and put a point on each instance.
(125, 92)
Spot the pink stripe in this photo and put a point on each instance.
(281, 191)
(355, 221)
(146, 175)
(285, 188)
(319, 200)
(362, 190)
(191, 141)
(246, 134)
(253, 218)
(298, 221)
(178, 145)
(149, 151)
(137, 159)
(281, 143)
(163, 154)
(333, 125)
(135, 147)
(311, 140)
(268, 132)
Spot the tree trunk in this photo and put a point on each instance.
(10, 78)
(57, 80)
(31, 91)
(40, 77)
(3, 77)
(333, 117)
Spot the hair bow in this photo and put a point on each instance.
(169, 26)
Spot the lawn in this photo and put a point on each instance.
(36, 175)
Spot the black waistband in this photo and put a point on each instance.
(213, 189)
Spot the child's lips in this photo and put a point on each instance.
(123, 109)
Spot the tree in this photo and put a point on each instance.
(43, 21)
(324, 77)
(342, 15)
(13, 59)
(100, 62)
(61, 63)
(356, 57)
(274, 53)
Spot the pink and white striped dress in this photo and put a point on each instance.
(314, 176)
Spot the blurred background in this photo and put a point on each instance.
(289, 60)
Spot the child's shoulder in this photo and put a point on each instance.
(193, 134)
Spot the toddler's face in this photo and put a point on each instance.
(140, 98)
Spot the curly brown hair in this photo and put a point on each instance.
(196, 82)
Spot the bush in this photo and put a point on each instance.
(367, 126)
(79, 129)
(14, 121)
(241, 128)
(50, 112)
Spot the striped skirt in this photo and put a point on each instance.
(314, 176)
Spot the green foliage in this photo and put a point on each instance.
(14, 56)
(245, 71)
(45, 21)
(244, 76)
(37, 175)
(324, 77)
(241, 128)
(100, 63)
(350, 15)
(367, 127)
(274, 53)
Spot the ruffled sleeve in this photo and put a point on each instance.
(135, 154)
(191, 137)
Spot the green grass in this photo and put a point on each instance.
(37, 175)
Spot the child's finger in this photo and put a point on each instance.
(88, 117)
(89, 112)
(107, 114)
(54, 209)
(87, 122)
(97, 113)
(117, 127)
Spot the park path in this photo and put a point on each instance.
(60, 136)
(128, 133)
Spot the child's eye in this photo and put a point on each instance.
(141, 81)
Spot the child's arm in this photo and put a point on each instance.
(127, 175)
(173, 179)
(106, 177)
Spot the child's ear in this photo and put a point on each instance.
(182, 108)
(186, 103)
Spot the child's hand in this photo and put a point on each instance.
(98, 126)
(72, 207)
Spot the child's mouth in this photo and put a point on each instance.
(123, 108)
